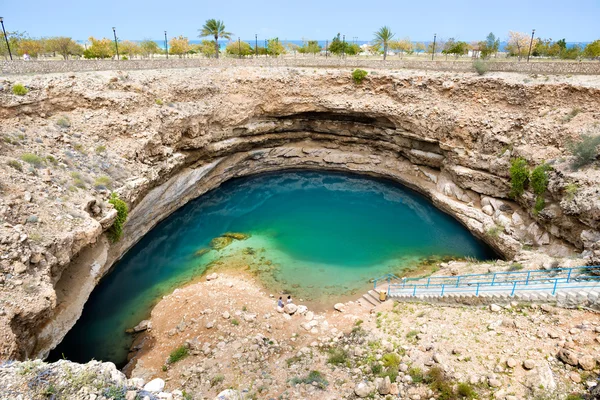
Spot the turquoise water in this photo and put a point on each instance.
(319, 235)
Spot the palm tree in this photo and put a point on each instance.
(382, 38)
(216, 29)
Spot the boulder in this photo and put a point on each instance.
(511, 363)
(568, 357)
(230, 394)
(528, 364)
(362, 389)
(587, 362)
(155, 385)
(339, 307)
(142, 326)
(302, 309)
(495, 308)
(309, 316)
(384, 386)
(290, 308)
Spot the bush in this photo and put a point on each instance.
(539, 205)
(571, 191)
(391, 360)
(115, 392)
(116, 230)
(416, 374)
(15, 164)
(63, 122)
(217, 379)
(480, 66)
(178, 354)
(103, 182)
(32, 159)
(466, 391)
(337, 356)
(358, 75)
(539, 183)
(100, 149)
(314, 378)
(19, 90)
(585, 151)
(519, 176)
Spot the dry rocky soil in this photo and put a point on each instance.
(161, 138)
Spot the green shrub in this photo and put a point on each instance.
(358, 75)
(178, 354)
(337, 356)
(515, 267)
(416, 374)
(51, 159)
(116, 230)
(63, 122)
(391, 360)
(314, 378)
(539, 179)
(495, 231)
(412, 334)
(480, 66)
(32, 159)
(376, 368)
(235, 322)
(571, 190)
(519, 176)
(392, 373)
(585, 151)
(100, 149)
(572, 114)
(19, 90)
(539, 205)
(158, 102)
(103, 181)
(575, 396)
(115, 392)
(217, 379)
(466, 391)
(15, 164)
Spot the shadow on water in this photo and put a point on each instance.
(322, 230)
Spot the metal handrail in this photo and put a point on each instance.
(387, 277)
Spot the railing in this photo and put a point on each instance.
(512, 281)
(387, 278)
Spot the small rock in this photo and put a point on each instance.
(339, 307)
(142, 326)
(494, 383)
(212, 276)
(309, 316)
(362, 389)
(575, 377)
(568, 357)
(587, 362)
(495, 308)
(19, 267)
(528, 364)
(155, 385)
(230, 394)
(511, 363)
(131, 395)
(225, 315)
(385, 386)
(210, 324)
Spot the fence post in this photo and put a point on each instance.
(414, 290)
(513, 289)
(457, 281)
(477, 291)
(428, 280)
(528, 275)
(569, 275)
(493, 279)
(443, 287)
(375, 284)
(388, 291)
(554, 289)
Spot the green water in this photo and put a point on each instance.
(320, 235)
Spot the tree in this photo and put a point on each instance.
(292, 48)
(30, 46)
(310, 47)
(420, 47)
(65, 46)
(383, 37)
(518, 44)
(129, 48)
(216, 29)
(275, 47)
(337, 46)
(455, 48)
(207, 48)
(490, 46)
(352, 49)
(239, 49)
(403, 46)
(592, 50)
(179, 46)
(13, 39)
(99, 48)
(149, 47)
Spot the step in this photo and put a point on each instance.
(369, 300)
(374, 294)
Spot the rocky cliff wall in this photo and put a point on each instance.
(162, 138)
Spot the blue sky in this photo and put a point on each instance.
(577, 21)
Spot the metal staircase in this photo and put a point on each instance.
(567, 286)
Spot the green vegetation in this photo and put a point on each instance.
(216, 29)
(391, 360)
(383, 38)
(539, 183)
(178, 354)
(515, 267)
(116, 230)
(416, 374)
(572, 114)
(103, 182)
(235, 322)
(444, 387)
(358, 75)
(337, 356)
(15, 164)
(63, 122)
(115, 392)
(158, 102)
(571, 190)
(100, 149)
(314, 378)
(495, 231)
(19, 89)
(575, 396)
(480, 66)
(466, 391)
(32, 159)
(585, 150)
(519, 176)
(412, 334)
(216, 380)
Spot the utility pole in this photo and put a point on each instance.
(239, 47)
(530, 44)
(166, 46)
(5, 37)
(433, 52)
(343, 46)
(256, 44)
(326, 47)
(116, 43)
